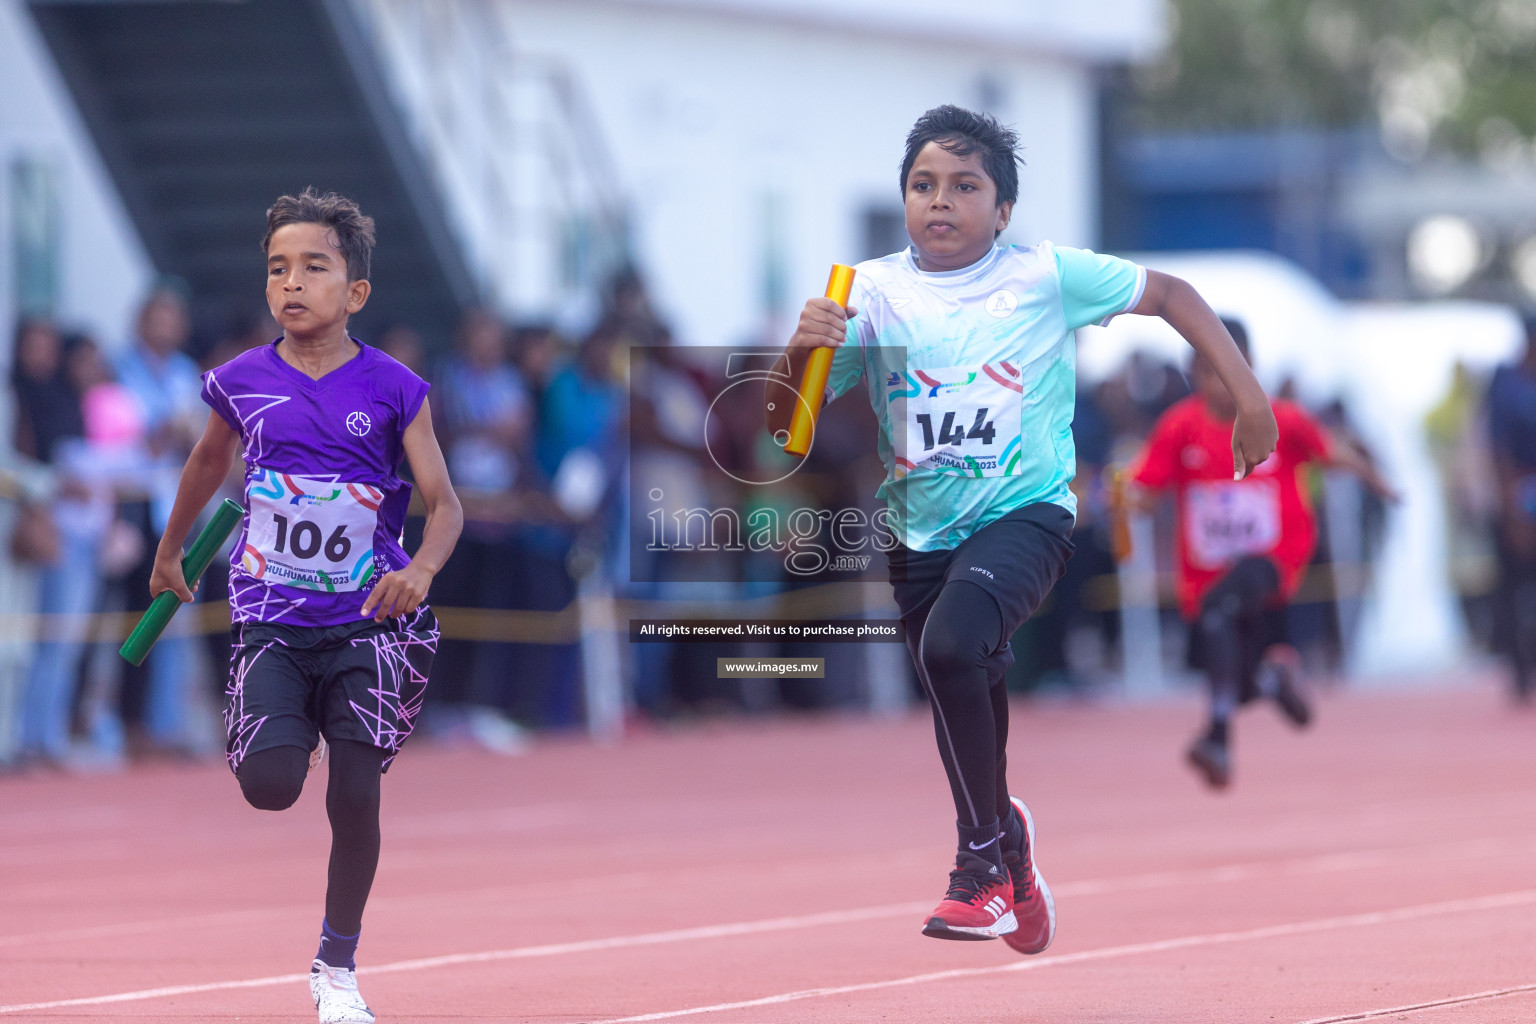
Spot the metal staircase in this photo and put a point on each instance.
(516, 148)
(205, 112)
(483, 166)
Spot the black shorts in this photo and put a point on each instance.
(1246, 603)
(361, 681)
(1016, 559)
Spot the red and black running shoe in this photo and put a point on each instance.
(1033, 905)
(979, 904)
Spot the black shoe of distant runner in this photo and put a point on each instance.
(1210, 758)
(1525, 688)
(1277, 674)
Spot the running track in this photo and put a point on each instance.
(1378, 867)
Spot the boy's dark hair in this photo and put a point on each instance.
(354, 232)
(1239, 334)
(963, 132)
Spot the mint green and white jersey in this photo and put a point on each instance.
(973, 375)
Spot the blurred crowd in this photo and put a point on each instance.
(1482, 436)
(532, 425)
(549, 439)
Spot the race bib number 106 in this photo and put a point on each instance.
(958, 419)
(314, 534)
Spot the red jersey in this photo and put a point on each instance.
(1220, 520)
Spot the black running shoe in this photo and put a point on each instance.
(1210, 758)
(1525, 687)
(1277, 674)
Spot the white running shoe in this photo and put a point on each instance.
(336, 997)
(317, 755)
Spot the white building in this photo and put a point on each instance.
(754, 142)
(748, 144)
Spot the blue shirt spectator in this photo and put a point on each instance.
(1512, 414)
(485, 408)
(582, 405)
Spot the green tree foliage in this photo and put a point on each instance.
(1458, 75)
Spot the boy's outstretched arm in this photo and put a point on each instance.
(1343, 455)
(200, 480)
(1176, 301)
(400, 592)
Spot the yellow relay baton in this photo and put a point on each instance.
(813, 383)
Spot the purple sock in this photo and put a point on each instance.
(337, 950)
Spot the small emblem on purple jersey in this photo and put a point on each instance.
(359, 423)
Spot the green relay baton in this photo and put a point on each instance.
(153, 622)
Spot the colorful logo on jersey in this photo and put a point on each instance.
(359, 423)
(910, 387)
(916, 382)
(934, 386)
(301, 499)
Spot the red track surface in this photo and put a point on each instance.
(1380, 861)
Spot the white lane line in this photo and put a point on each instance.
(1503, 900)
(1327, 863)
(1472, 997)
(1511, 899)
(721, 931)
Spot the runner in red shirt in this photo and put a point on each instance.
(1242, 546)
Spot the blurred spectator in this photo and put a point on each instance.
(1066, 642)
(630, 304)
(163, 377)
(246, 331)
(1512, 436)
(90, 467)
(18, 592)
(486, 415)
(584, 402)
(1322, 618)
(1457, 430)
(1152, 385)
(580, 451)
(47, 410)
(403, 344)
(47, 416)
(537, 351)
(667, 425)
(165, 382)
(485, 408)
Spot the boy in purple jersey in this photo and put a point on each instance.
(331, 639)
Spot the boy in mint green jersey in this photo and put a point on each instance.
(966, 350)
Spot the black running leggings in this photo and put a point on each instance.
(959, 649)
(1234, 627)
(271, 781)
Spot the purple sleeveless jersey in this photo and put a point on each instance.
(324, 504)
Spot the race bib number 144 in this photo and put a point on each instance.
(314, 534)
(958, 419)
